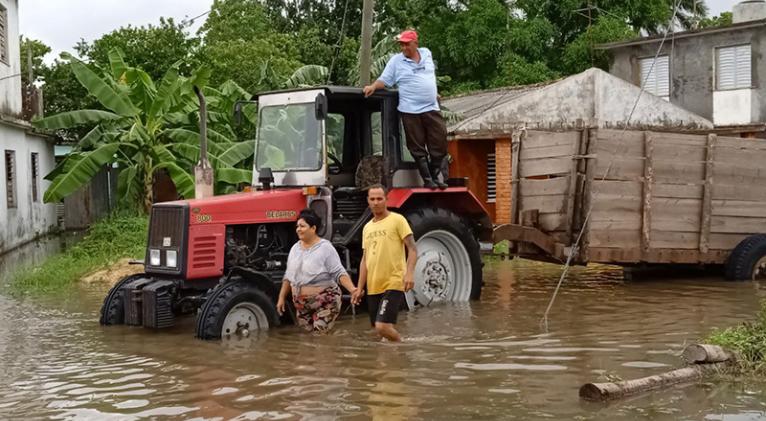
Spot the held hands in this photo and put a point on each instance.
(356, 296)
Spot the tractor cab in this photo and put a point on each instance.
(336, 139)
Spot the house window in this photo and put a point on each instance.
(656, 79)
(10, 178)
(491, 178)
(35, 176)
(4, 35)
(734, 67)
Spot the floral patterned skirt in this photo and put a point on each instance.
(318, 312)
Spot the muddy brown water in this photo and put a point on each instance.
(484, 360)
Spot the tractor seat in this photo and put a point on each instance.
(368, 173)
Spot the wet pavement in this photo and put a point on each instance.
(489, 359)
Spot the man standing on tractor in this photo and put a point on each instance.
(414, 73)
(383, 268)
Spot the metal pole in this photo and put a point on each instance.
(365, 49)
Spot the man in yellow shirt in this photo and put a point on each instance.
(383, 268)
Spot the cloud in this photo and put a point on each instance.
(62, 23)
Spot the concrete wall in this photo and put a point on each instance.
(692, 65)
(29, 219)
(10, 87)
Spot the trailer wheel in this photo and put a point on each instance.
(748, 260)
(113, 309)
(449, 263)
(235, 309)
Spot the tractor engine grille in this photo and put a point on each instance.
(158, 305)
(351, 207)
(167, 233)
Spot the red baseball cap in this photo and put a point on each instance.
(407, 36)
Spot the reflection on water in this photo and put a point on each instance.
(484, 360)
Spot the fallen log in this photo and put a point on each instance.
(702, 353)
(600, 392)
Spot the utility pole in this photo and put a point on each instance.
(365, 49)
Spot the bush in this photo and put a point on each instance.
(747, 340)
(116, 237)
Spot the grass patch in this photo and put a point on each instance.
(113, 238)
(748, 340)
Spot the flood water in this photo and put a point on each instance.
(485, 360)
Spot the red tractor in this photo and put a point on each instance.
(223, 257)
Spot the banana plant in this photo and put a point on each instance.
(146, 127)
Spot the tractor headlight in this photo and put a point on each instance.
(171, 259)
(154, 257)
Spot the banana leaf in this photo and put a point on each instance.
(238, 153)
(72, 119)
(165, 95)
(128, 186)
(192, 138)
(80, 173)
(117, 63)
(308, 75)
(233, 175)
(97, 87)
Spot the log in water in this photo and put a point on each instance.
(702, 353)
(599, 392)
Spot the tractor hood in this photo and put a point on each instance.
(247, 208)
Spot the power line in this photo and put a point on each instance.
(339, 43)
(189, 22)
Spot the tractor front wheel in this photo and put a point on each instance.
(113, 309)
(449, 263)
(235, 309)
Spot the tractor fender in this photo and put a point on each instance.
(459, 200)
(261, 280)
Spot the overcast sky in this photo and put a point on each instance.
(62, 23)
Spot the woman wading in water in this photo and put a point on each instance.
(313, 273)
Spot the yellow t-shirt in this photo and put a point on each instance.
(383, 246)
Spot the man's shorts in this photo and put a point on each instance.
(384, 308)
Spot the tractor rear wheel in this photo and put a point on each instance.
(235, 309)
(449, 263)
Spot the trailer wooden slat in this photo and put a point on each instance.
(653, 197)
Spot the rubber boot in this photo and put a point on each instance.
(436, 169)
(425, 174)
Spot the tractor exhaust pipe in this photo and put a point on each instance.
(203, 172)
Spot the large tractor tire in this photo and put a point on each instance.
(748, 260)
(449, 263)
(237, 308)
(113, 309)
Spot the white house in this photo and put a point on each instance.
(26, 156)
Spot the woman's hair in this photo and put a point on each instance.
(311, 218)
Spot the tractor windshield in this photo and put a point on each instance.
(289, 138)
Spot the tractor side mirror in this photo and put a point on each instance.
(320, 107)
(266, 177)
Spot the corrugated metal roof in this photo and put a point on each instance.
(472, 104)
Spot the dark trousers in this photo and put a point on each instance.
(426, 134)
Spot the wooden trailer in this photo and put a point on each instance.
(654, 197)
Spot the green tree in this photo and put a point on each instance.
(38, 50)
(144, 128)
(724, 19)
(153, 48)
